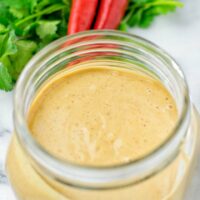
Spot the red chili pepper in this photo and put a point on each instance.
(82, 15)
(110, 14)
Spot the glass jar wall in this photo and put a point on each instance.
(162, 174)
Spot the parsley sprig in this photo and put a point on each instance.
(142, 12)
(25, 27)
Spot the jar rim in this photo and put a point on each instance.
(92, 173)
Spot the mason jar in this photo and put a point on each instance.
(162, 174)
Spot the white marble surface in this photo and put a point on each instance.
(179, 34)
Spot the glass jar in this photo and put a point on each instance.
(161, 175)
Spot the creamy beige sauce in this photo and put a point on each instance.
(102, 116)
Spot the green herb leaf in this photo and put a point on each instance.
(3, 29)
(6, 17)
(142, 12)
(5, 78)
(47, 28)
(7, 44)
(25, 27)
(26, 49)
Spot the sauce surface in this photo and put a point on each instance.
(102, 116)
